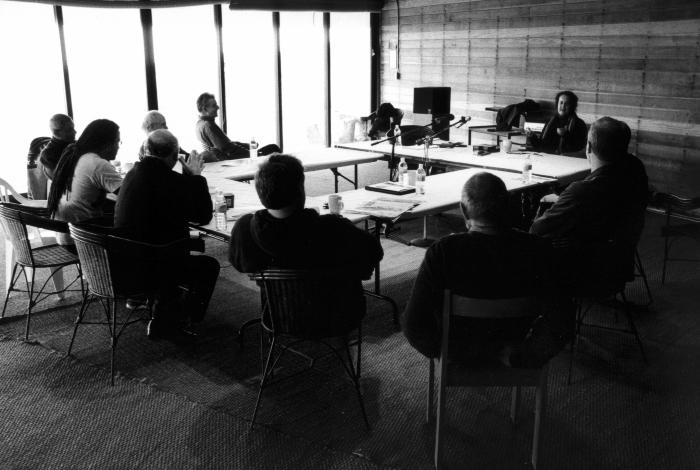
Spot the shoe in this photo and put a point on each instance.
(135, 303)
(158, 329)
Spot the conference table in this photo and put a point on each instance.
(561, 168)
(244, 169)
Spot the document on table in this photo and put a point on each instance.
(385, 207)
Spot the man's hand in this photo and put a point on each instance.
(194, 165)
(550, 198)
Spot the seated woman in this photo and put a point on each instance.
(383, 120)
(84, 176)
(565, 132)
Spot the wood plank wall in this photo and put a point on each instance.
(635, 60)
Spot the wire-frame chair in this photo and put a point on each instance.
(453, 373)
(117, 269)
(15, 220)
(678, 224)
(310, 305)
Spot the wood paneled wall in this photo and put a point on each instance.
(635, 60)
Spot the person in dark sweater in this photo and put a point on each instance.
(565, 132)
(213, 138)
(608, 205)
(286, 235)
(155, 206)
(490, 260)
(62, 134)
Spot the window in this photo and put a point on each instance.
(302, 49)
(350, 74)
(106, 63)
(32, 83)
(250, 76)
(184, 42)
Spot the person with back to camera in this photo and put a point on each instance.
(491, 260)
(62, 135)
(565, 132)
(213, 138)
(84, 176)
(155, 206)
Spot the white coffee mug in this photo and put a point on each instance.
(335, 203)
(506, 145)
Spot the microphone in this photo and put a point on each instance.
(463, 120)
(443, 116)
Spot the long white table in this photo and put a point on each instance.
(314, 159)
(563, 169)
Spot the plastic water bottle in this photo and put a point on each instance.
(397, 135)
(420, 180)
(253, 148)
(220, 210)
(403, 172)
(527, 169)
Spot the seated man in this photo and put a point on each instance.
(62, 134)
(490, 260)
(153, 121)
(213, 138)
(606, 206)
(155, 206)
(286, 235)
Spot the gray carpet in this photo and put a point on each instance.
(180, 404)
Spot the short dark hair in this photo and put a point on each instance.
(485, 197)
(202, 101)
(280, 182)
(609, 138)
(572, 98)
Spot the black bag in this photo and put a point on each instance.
(509, 116)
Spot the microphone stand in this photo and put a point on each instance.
(392, 159)
(425, 242)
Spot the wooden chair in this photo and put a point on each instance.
(677, 224)
(454, 374)
(310, 305)
(17, 221)
(116, 269)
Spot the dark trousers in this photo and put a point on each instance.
(186, 287)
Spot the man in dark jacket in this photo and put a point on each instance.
(155, 205)
(491, 260)
(62, 134)
(600, 217)
(286, 235)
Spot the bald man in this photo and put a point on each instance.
(62, 134)
(491, 260)
(154, 120)
(155, 205)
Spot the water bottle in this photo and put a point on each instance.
(220, 210)
(420, 180)
(397, 135)
(527, 169)
(253, 148)
(403, 172)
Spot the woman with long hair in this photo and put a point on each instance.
(565, 132)
(84, 175)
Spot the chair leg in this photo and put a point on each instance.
(429, 408)
(514, 404)
(79, 319)
(10, 286)
(241, 330)
(540, 407)
(358, 367)
(439, 420)
(577, 330)
(263, 379)
(633, 327)
(643, 274)
(356, 382)
(30, 288)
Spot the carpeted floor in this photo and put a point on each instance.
(179, 404)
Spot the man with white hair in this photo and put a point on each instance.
(156, 205)
(152, 121)
(62, 134)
